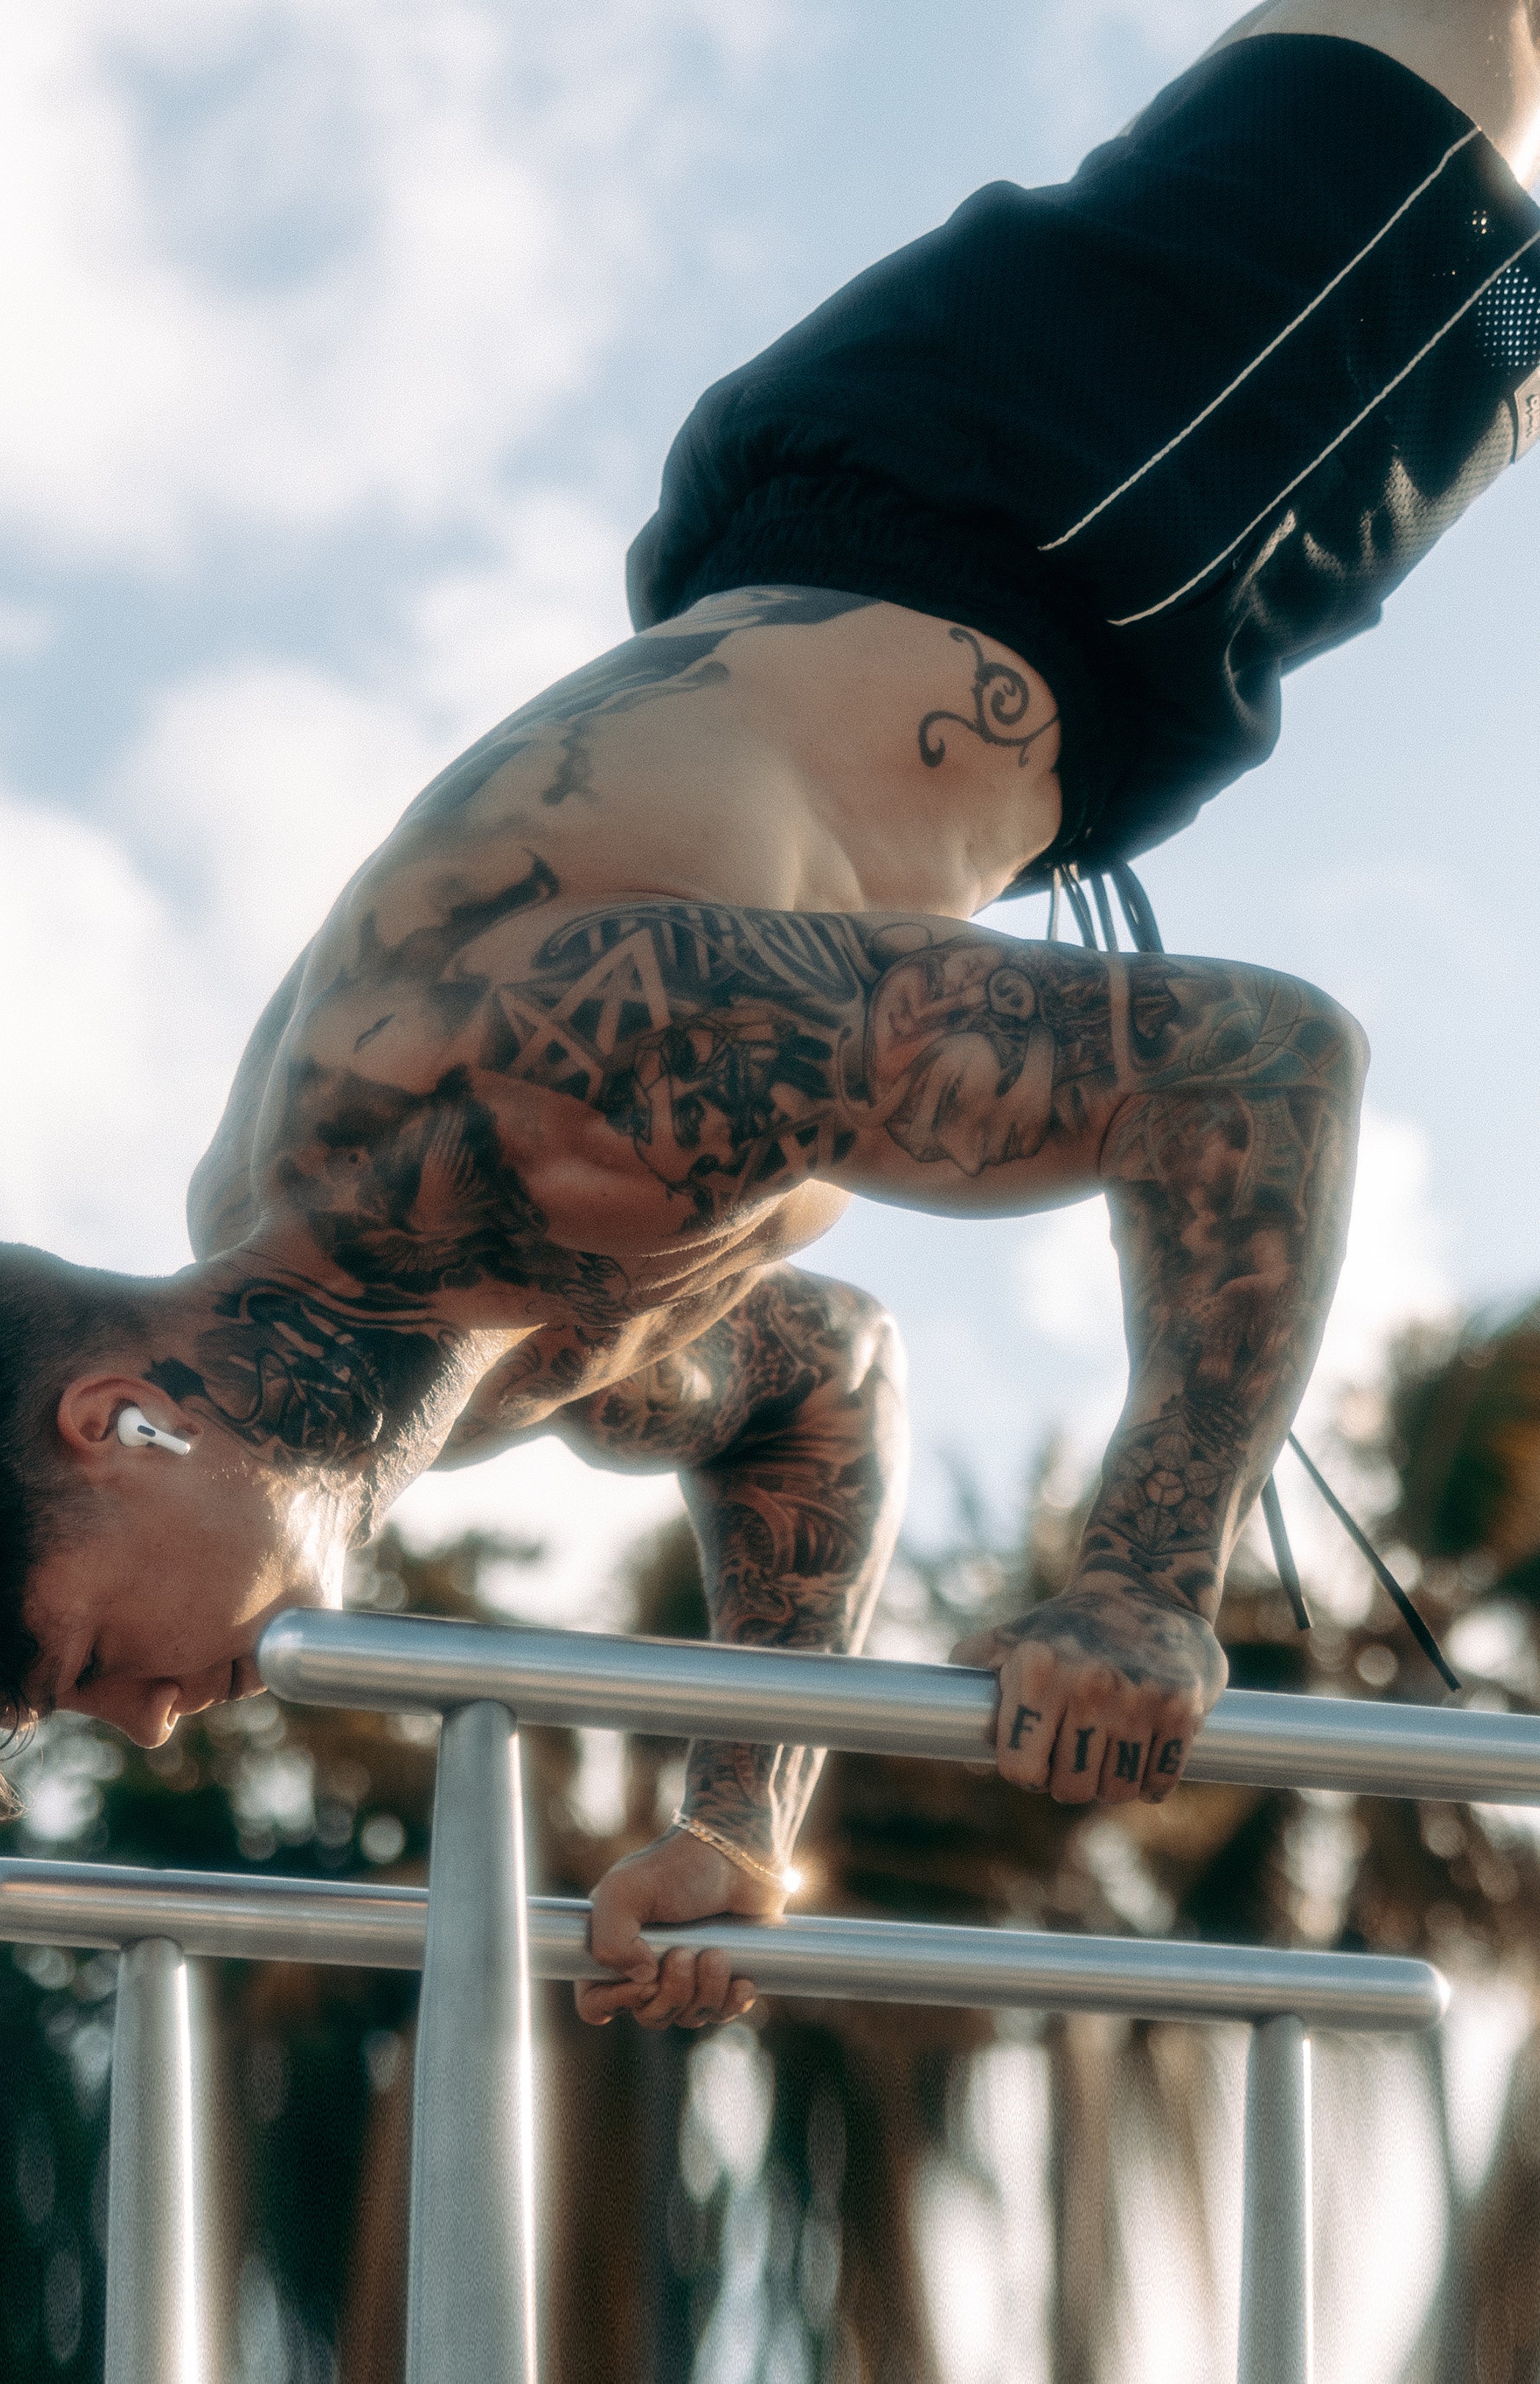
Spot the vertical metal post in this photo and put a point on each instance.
(1276, 2319)
(152, 2302)
(470, 2292)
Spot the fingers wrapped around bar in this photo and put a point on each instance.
(676, 1879)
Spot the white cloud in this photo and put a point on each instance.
(255, 792)
(136, 951)
(25, 630)
(1092, 61)
(273, 260)
(1396, 1271)
(549, 596)
(105, 1056)
(1066, 1282)
(585, 1519)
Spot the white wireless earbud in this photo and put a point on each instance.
(136, 1431)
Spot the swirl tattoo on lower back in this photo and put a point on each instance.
(1002, 701)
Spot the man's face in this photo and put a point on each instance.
(154, 1608)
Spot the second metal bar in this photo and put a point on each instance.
(894, 1961)
(1276, 2286)
(470, 2294)
(152, 2301)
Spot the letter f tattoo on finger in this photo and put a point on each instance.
(1025, 1715)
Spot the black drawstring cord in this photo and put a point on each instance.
(1081, 909)
(1283, 1555)
(1133, 901)
(1387, 1580)
(1137, 909)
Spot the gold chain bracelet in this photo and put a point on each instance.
(787, 1881)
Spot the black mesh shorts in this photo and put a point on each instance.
(1165, 430)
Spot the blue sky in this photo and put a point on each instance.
(343, 348)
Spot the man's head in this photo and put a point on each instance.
(134, 1582)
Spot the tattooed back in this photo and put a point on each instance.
(540, 1066)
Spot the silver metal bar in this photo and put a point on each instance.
(877, 1961)
(234, 1916)
(1276, 2293)
(470, 2284)
(152, 2300)
(684, 1689)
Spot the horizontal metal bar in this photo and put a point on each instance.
(682, 1688)
(879, 1961)
(245, 1917)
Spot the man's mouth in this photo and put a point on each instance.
(245, 1680)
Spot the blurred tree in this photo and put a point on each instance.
(1461, 1432)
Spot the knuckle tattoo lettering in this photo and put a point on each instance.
(1025, 1717)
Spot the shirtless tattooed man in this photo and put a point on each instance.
(654, 978)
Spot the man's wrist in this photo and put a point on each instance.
(1193, 1583)
(782, 1878)
(728, 1788)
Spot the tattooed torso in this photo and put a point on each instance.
(391, 1101)
(558, 1073)
(636, 996)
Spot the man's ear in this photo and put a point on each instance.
(88, 1409)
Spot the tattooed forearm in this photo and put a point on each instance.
(797, 1526)
(1229, 1209)
(787, 1419)
(1228, 1186)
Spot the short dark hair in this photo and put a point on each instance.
(54, 1318)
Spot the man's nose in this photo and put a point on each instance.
(145, 1711)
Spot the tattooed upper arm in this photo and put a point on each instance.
(483, 1104)
(725, 1055)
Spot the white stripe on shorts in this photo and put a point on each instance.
(1347, 432)
(1260, 358)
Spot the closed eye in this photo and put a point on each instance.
(90, 1673)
